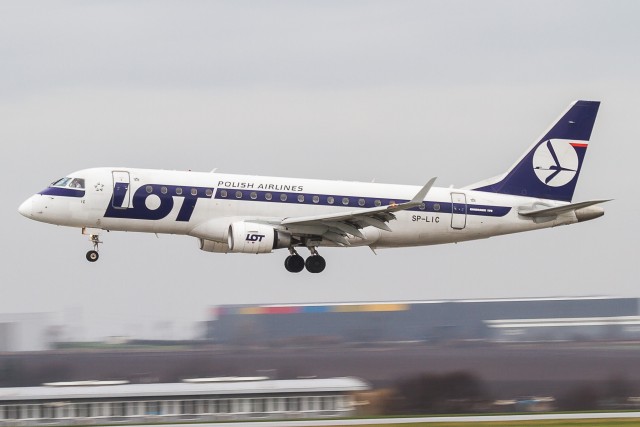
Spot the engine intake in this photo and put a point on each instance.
(253, 238)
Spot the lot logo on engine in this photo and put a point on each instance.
(252, 237)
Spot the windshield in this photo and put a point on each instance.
(69, 182)
(62, 182)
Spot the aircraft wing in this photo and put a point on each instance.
(336, 226)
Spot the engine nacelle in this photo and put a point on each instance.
(213, 246)
(253, 238)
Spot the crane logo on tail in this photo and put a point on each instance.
(555, 162)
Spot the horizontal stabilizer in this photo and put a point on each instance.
(547, 212)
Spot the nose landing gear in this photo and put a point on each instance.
(92, 256)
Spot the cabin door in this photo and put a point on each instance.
(121, 190)
(458, 211)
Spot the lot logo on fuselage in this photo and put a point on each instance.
(156, 201)
(555, 162)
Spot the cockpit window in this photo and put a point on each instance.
(69, 182)
(77, 183)
(62, 182)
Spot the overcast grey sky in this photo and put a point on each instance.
(396, 91)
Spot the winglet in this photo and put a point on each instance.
(419, 198)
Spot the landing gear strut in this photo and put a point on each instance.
(92, 256)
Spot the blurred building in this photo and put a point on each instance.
(25, 332)
(566, 329)
(428, 321)
(197, 400)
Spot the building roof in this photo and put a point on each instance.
(313, 385)
(351, 307)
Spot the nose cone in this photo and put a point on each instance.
(26, 208)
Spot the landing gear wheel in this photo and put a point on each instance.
(294, 263)
(315, 264)
(92, 256)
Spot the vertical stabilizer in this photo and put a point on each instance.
(551, 167)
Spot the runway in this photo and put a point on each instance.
(425, 420)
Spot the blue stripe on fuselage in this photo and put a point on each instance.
(355, 202)
(64, 192)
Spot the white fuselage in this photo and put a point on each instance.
(257, 214)
(203, 205)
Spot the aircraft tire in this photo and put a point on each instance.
(92, 256)
(294, 263)
(315, 264)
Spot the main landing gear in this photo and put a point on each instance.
(294, 263)
(92, 256)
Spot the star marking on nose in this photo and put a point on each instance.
(98, 187)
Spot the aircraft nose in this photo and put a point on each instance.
(26, 208)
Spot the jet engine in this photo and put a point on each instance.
(213, 246)
(253, 238)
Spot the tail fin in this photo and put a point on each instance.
(551, 167)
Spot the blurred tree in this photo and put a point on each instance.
(13, 373)
(581, 398)
(453, 392)
(617, 391)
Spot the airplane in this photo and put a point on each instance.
(259, 214)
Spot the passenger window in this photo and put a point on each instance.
(283, 197)
(377, 203)
(422, 206)
(178, 191)
(163, 190)
(345, 201)
(253, 195)
(330, 200)
(223, 193)
(149, 189)
(316, 199)
(268, 196)
(194, 191)
(238, 194)
(301, 198)
(208, 192)
(361, 202)
(436, 207)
